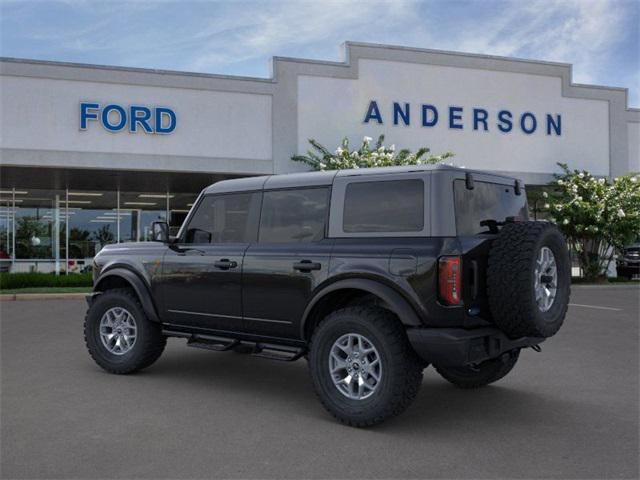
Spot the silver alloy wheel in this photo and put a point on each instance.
(118, 330)
(355, 366)
(546, 279)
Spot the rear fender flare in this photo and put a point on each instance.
(139, 286)
(397, 304)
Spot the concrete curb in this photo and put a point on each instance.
(8, 297)
(631, 286)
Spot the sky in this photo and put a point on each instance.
(601, 38)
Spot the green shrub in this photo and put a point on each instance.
(27, 280)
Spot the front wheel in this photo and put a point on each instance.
(477, 376)
(119, 336)
(362, 366)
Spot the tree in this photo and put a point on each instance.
(598, 217)
(104, 235)
(365, 156)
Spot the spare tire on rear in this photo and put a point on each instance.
(528, 279)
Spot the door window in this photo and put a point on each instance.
(229, 218)
(294, 216)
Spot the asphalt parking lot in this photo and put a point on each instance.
(570, 411)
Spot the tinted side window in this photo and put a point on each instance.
(294, 216)
(225, 219)
(487, 201)
(384, 206)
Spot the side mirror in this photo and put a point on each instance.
(160, 232)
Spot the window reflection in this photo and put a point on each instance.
(62, 230)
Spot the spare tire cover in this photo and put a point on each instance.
(529, 279)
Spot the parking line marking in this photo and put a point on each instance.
(594, 306)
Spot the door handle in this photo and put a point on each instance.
(306, 266)
(225, 264)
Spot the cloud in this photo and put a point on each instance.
(599, 37)
(273, 27)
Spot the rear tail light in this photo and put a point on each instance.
(450, 280)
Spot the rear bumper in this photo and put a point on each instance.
(459, 347)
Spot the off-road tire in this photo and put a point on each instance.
(481, 375)
(510, 279)
(149, 344)
(401, 368)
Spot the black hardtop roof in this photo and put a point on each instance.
(312, 179)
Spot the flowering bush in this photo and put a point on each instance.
(596, 216)
(366, 156)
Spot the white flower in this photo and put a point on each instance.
(565, 221)
(558, 207)
(601, 181)
(367, 139)
(634, 179)
(546, 205)
(374, 155)
(545, 195)
(381, 149)
(560, 182)
(322, 165)
(621, 213)
(581, 175)
(393, 148)
(339, 151)
(355, 154)
(579, 198)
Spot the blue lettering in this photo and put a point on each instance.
(105, 118)
(505, 124)
(139, 115)
(455, 113)
(373, 112)
(480, 116)
(425, 115)
(556, 125)
(399, 112)
(162, 112)
(523, 123)
(86, 114)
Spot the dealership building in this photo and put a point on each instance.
(93, 154)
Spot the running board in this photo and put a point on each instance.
(278, 352)
(271, 351)
(209, 342)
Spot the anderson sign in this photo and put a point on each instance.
(461, 118)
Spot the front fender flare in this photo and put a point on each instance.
(397, 304)
(138, 285)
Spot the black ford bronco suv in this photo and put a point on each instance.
(371, 275)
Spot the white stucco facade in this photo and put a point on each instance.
(243, 126)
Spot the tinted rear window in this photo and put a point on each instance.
(487, 201)
(385, 206)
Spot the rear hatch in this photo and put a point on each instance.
(480, 209)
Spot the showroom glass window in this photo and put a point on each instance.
(384, 206)
(228, 218)
(294, 215)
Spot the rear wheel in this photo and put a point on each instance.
(119, 336)
(362, 366)
(480, 375)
